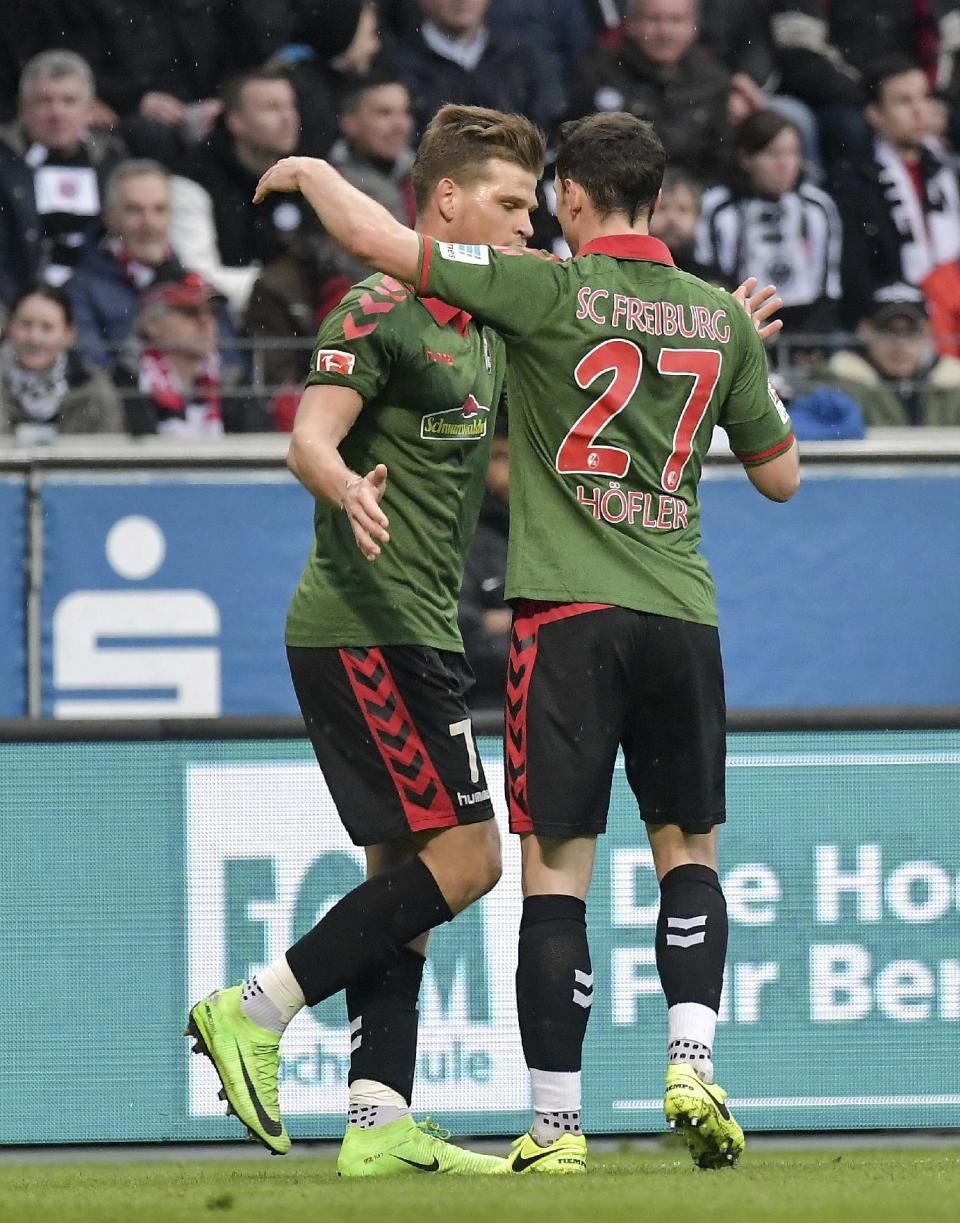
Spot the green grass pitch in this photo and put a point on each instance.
(783, 1187)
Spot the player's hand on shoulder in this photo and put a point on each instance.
(284, 175)
(361, 503)
(760, 306)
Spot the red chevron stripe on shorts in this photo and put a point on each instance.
(528, 619)
(425, 801)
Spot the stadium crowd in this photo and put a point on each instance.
(812, 143)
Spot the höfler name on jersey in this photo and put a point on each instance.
(614, 505)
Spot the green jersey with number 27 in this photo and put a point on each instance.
(619, 367)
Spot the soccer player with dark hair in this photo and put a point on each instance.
(620, 366)
(410, 386)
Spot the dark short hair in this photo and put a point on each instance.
(354, 87)
(460, 140)
(617, 158)
(756, 132)
(885, 69)
(232, 90)
(53, 293)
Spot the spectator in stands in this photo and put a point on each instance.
(942, 291)
(737, 32)
(662, 73)
(116, 271)
(45, 387)
(159, 63)
(29, 27)
(675, 219)
(374, 151)
(298, 288)
(292, 294)
(342, 42)
(455, 56)
(484, 617)
(216, 228)
(171, 376)
(562, 29)
(824, 49)
(900, 204)
(51, 167)
(772, 225)
(900, 379)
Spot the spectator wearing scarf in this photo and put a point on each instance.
(46, 389)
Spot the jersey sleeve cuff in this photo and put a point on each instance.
(764, 456)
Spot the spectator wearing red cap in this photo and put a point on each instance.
(171, 377)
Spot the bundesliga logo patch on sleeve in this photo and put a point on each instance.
(462, 252)
(777, 402)
(333, 361)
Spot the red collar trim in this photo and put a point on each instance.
(445, 314)
(629, 246)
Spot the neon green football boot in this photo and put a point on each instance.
(566, 1154)
(698, 1110)
(247, 1059)
(405, 1146)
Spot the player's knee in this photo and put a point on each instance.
(490, 866)
(483, 869)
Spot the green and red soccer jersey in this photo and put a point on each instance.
(619, 367)
(431, 381)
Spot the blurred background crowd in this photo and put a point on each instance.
(812, 143)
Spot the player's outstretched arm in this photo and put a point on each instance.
(356, 221)
(324, 418)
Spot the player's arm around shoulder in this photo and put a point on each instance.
(353, 219)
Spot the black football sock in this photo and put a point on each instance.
(382, 1007)
(369, 925)
(691, 950)
(554, 996)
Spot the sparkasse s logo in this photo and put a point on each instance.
(466, 423)
(334, 361)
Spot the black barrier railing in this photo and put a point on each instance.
(485, 722)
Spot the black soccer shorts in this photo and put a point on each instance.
(393, 736)
(585, 679)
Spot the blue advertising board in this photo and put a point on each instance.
(13, 553)
(166, 596)
(847, 595)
